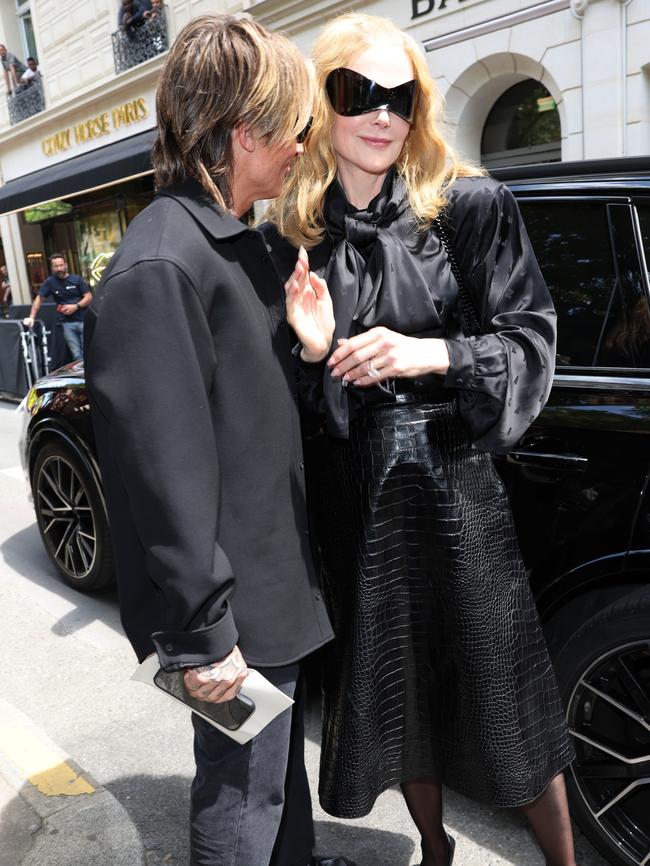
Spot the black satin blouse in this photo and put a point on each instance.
(502, 377)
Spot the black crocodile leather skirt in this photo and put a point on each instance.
(439, 667)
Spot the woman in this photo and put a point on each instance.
(439, 672)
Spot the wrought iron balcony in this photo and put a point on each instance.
(134, 45)
(26, 101)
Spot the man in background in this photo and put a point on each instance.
(32, 73)
(72, 295)
(12, 68)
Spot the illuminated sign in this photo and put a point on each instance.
(97, 267)
(95, 127)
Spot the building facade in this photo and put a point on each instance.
(524, 81)
(74, 166)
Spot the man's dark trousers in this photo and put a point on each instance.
(251, 804)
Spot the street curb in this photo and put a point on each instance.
(86, 829)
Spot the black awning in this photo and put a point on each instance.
(106, 165)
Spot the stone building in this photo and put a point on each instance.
(524, 82)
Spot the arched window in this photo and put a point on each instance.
(522, 127)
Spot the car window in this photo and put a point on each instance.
(572, 244)
(643, 211)
(625, 340)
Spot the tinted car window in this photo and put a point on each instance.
(643, 211)
(572, 244)
(626, 337)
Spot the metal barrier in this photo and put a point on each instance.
(57, 351)
(134, 45)
(24, 356)
(26, 102)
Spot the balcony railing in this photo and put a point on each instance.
(134, 45)
(26, 101)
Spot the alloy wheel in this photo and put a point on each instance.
(608, 715)
(66, 516)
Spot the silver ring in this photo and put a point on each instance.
(372, 370)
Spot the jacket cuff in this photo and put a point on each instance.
(461, 364)
(188, 649)
(311, 372)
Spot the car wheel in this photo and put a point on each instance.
(71, 518)
(604, 675)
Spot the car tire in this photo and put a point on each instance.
(604, 676)
(71, 517)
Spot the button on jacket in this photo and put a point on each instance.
(192, 391)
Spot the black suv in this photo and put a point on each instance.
(577, 481)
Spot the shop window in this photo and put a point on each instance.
(97, 237)
(572, 244)
(522, 127)
(36, 269)
(87, 229)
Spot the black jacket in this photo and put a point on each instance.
(192, 389)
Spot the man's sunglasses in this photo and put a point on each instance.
(352, 94)
(302, 135)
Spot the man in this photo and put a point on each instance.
(156, 9)
(130, 15)
(32, 73)
(191, 384)
(72, 295)
(11, 67)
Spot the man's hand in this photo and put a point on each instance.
(219, 682)
(69, 309)
(28, 321)
(309, 310)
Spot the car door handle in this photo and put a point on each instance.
(541, 460)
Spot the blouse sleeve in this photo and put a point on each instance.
(502, 377)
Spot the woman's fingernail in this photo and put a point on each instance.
(346, 379)
(336, 372)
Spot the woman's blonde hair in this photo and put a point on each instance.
(222, 71)
(427, 163)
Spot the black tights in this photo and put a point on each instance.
(548, 817)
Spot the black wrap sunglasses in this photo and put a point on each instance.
(352, 94)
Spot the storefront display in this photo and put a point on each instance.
(87, 231)
(36, 270)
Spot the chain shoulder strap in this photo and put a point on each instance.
(470, 320)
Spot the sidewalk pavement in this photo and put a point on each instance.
(51, 811)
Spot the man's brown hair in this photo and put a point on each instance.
(222, 71)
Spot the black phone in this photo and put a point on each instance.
(230, 715)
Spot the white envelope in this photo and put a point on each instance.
(269, 701)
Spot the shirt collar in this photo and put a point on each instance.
(194, 198)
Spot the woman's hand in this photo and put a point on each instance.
(309, 310)
(380, 354)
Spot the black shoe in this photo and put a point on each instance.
(331, 861)
(452, 848)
